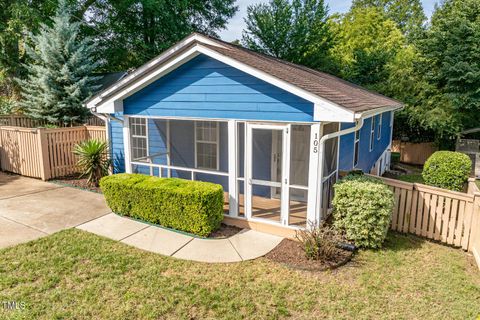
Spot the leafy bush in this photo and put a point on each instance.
(191, 206)
(319, 242)
(363, 208)
(92, 159)
(447, 169)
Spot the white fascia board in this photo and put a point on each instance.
(374, 112)
(326, 113)
(152, 63)
(145, 81)
(319, 102)
(112, 107)
(324, 110)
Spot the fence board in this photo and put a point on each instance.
(438, 214)
(43, 153)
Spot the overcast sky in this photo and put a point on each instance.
(236, 24)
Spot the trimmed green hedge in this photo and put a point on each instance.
(191, 206)
(362, 210)
(447, 169)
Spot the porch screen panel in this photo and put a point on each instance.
(331, 146)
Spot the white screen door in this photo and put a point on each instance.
(267, 159)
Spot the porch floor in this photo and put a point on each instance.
(269, 209)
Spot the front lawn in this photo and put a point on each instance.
(74, 274)
(412, 178)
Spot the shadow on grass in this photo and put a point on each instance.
(396, 241)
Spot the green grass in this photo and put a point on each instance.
(413, 178)
(478, 183)
(74, 274)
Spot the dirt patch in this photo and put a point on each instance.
(290, 253)
(77, 182)
(225, 231)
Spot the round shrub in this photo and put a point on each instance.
(362, 210)
(447, 169)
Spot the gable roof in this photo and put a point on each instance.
(331, 91)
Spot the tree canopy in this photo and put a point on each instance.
(296, 31)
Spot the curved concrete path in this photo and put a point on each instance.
(245, 245)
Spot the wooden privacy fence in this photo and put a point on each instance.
(43, 153)
(27, 122)
(413, 153)
(438, 214)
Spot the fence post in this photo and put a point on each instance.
(43, 156)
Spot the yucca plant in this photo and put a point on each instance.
(92, 159)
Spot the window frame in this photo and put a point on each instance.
(132, 121)
(356, 148)
(216, 143)
(372, 133)
(379, 126)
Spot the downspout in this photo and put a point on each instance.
(323, 139)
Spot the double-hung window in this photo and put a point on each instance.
(379, 127)
(139, 144)
(206, 145)
(355, 148)
(372, 133)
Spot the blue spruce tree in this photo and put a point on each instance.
(60, 73)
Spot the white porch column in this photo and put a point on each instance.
(126, 144)
(314, 180)
(232, 168)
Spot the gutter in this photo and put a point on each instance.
(105, 116)
(323, 139)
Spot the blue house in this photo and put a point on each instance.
(272, 133)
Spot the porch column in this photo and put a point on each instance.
(126, 144)
(232, 168)
(314, 180)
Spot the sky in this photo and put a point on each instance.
(236, 24)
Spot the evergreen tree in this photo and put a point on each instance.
(59, 77)
(295, 31)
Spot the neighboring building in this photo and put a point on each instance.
(272, 133)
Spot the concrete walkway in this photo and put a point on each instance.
(245, 245)
(30, 209)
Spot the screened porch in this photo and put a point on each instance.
(262, 167)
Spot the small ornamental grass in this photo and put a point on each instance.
(363, 209)
(447, 169)
(192, 206)
(319, 242)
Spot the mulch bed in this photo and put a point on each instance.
(290, 253)
(77, 182)
(224, 231)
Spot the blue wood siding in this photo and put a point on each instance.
(367, 158)
(116, 144)
(207, 88)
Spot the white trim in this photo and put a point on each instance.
(273, 122)
(159, 59)
(285, 198)
(313, 174)
(373, 124)
(126, 144)
(216, 143)
(355, 140)
(379, 126)
(169, 157)
(373, 112)
(192, 170)
(232, 169)
(324, 110)
(338, 149)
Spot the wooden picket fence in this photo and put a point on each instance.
(43, 153)
(27, 122)
(438, 214)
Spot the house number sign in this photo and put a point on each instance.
(315, 143)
